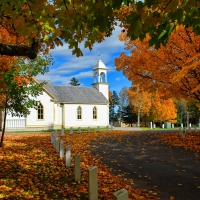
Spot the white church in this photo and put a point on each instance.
(68, 106)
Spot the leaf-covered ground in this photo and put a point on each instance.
(190, 142)
(31, 168)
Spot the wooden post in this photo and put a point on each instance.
(63, 132)
(121, 194)
(57, 144)
(71, 130)
(68, 156)
(62, 149)
(77, 167)
(93, 183)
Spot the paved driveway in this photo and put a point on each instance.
(164, 170)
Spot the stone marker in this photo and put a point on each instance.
(56, 133)
(88, 130)
(172, 125)
(79, 129)
(93, 183)
(121, 194)
(189, 129)
(71, 130)
(57, 145)
(154, 125)
(98, 128)
(107, 128)
(68, 156)
(62, 149)
(77, 167)
(150, 125)
(182, 125)
(54, 141)
(163, 126)
(63, 132)
(52, 135)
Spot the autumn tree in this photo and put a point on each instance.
(74, 82)
(20, 89)
(172, 70)
(47, 24)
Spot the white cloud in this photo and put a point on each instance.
(117, 79)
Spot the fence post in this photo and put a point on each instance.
(93, 183)
(121, 194)
(77, 167)
(68, 156)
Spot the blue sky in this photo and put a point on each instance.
(67, 65)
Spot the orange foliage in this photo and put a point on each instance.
(173, 70)
(31, 168)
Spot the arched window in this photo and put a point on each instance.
(94, 113)
(40, 110)
(79, 113)
(102, 77)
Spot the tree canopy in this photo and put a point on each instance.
(74, 82)
(46, 24)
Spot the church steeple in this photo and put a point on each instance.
(100, 78)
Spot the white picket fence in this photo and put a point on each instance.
(15, 123)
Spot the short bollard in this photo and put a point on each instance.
(77, 167)
(98, 128)
(79, 129)
(52, 134)
(62, 149)
(63, 132)
(93, 183)
(57, 144)
(68, 156)
(121, 194)
(71, 130)
(88, 130)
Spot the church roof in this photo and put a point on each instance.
(74, 94)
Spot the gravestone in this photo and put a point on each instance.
(68, 156)
(54, 141)
(52, 135)
(107, 128)
(62, 149)
(163, 126)
(150, 125)
(63, 132)
(93, 183)
(88, 130)
(79, 129)
(181, 125)
(172, 125)
(154, 125)
(71, 130)
(56, 133)
(121, 195)
(77, 167)
(57, 145)
(98, 128)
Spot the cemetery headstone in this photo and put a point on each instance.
(163, 126)
(79, 129)
(93, 183)
(121, 194)
(68, 156)
(57, 144)
(77, 167)
(107, 128)
(54, 141)
(56, 133)
(150, 125)
(62, 149)
(52, 135)
(181, 125)
(63, 132)
(71, 130)
(172, 125)
(88, 130)
(98, 128)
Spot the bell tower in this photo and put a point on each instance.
(100, 78)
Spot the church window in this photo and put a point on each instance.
(79, 113)
(40, 111)
(94, 113)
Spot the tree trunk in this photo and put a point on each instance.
(10, 50)
(4, 127)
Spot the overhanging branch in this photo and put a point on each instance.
(10, 50)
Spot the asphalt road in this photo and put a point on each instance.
(162, 169)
